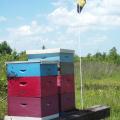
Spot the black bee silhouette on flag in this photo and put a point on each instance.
(80, 5)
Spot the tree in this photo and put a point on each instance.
(98, 56)
(5, 48)
(76, 58)
(89, 57)
(22, 56)
(113, 56)
(104, 56)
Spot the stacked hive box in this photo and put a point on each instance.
(65, 79)
(32, 90)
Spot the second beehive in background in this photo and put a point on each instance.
(65, 76)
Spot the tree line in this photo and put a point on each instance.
(111, 57)
(9, 54)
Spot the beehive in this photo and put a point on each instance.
(32, 90)
(65, 77)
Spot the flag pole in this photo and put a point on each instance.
(80, 5)
(81, 75)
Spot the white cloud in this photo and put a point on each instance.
(3, 19)
(97, 13)
(28, 36)
(71, 18)
(58, 3)
(29, 30)
(1, 40)
(24, 30)
(64, 24)
(96, 40)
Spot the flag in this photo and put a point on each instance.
(80, 5)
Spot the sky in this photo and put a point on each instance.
(30, 24)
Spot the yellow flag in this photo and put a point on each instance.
(81, 2)
(80, 5)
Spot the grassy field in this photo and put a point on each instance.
(2, 104)
(101, 86)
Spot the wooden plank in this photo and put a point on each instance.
(93, 113)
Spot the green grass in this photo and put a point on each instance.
(102, 91)
(3, 105)
(101, 87)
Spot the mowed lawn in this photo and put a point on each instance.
(101, 87)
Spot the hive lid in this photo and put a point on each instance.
(40, 61)
(57, 50)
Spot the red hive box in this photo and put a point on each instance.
(32, 107)
(67, 102)
(32, 86)
(65, 84)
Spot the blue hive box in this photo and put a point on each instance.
(59, 55)
(27, 69)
